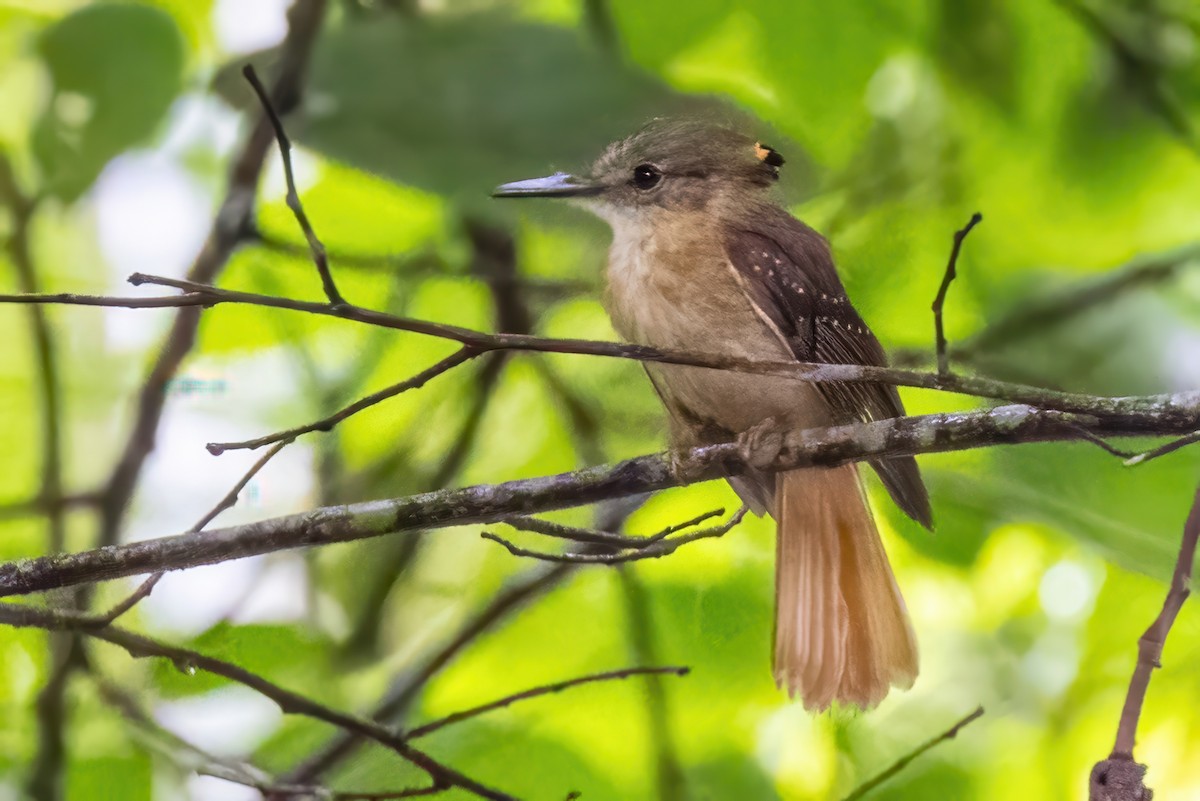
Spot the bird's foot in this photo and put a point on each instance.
(760, 445)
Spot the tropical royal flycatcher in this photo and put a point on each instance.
(704, 260)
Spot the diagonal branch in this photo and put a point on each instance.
(288, 701)
(904, 761)
(545, 689)
(419, 380)
(189, 757)
(407, 687)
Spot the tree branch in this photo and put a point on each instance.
(406, 688)
(203, 763)
(289, 702)
(484, 342)
(1153, 415)
(1119, 777)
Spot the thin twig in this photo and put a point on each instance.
(943, 361)
(1135, 459)
(144, 589)
(655, 550)
(104, 301)
(545, 689)
(904, 761)
(596, 537)
(288, 701)
(316, 248)
(204, 763)
(460, 356)
(1132, 458)
(408, 685)
(1101, 443)
(816, 372)
(234, 215)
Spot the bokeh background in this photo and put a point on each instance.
(1071, 125)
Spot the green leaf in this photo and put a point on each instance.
(110, 779)
(458, 104)
(277, 652)
(115, 69)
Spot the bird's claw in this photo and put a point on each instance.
(760, 445)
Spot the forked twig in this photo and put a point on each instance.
(635, 548)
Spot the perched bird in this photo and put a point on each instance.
(704, 260)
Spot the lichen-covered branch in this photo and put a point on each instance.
(1163, 415)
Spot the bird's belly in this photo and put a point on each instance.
(709, 405)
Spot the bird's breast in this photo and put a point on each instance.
(675, 290)
(670, 286)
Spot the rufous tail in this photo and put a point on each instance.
(841, 630)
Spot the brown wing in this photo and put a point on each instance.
(787, 272)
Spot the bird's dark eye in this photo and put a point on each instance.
(646, 176)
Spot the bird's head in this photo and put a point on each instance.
(668, 164)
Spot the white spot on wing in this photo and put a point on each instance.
(762, 315)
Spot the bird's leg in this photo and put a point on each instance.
(760, 445)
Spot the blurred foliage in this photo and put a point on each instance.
(1071, 125)
(115, 70)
